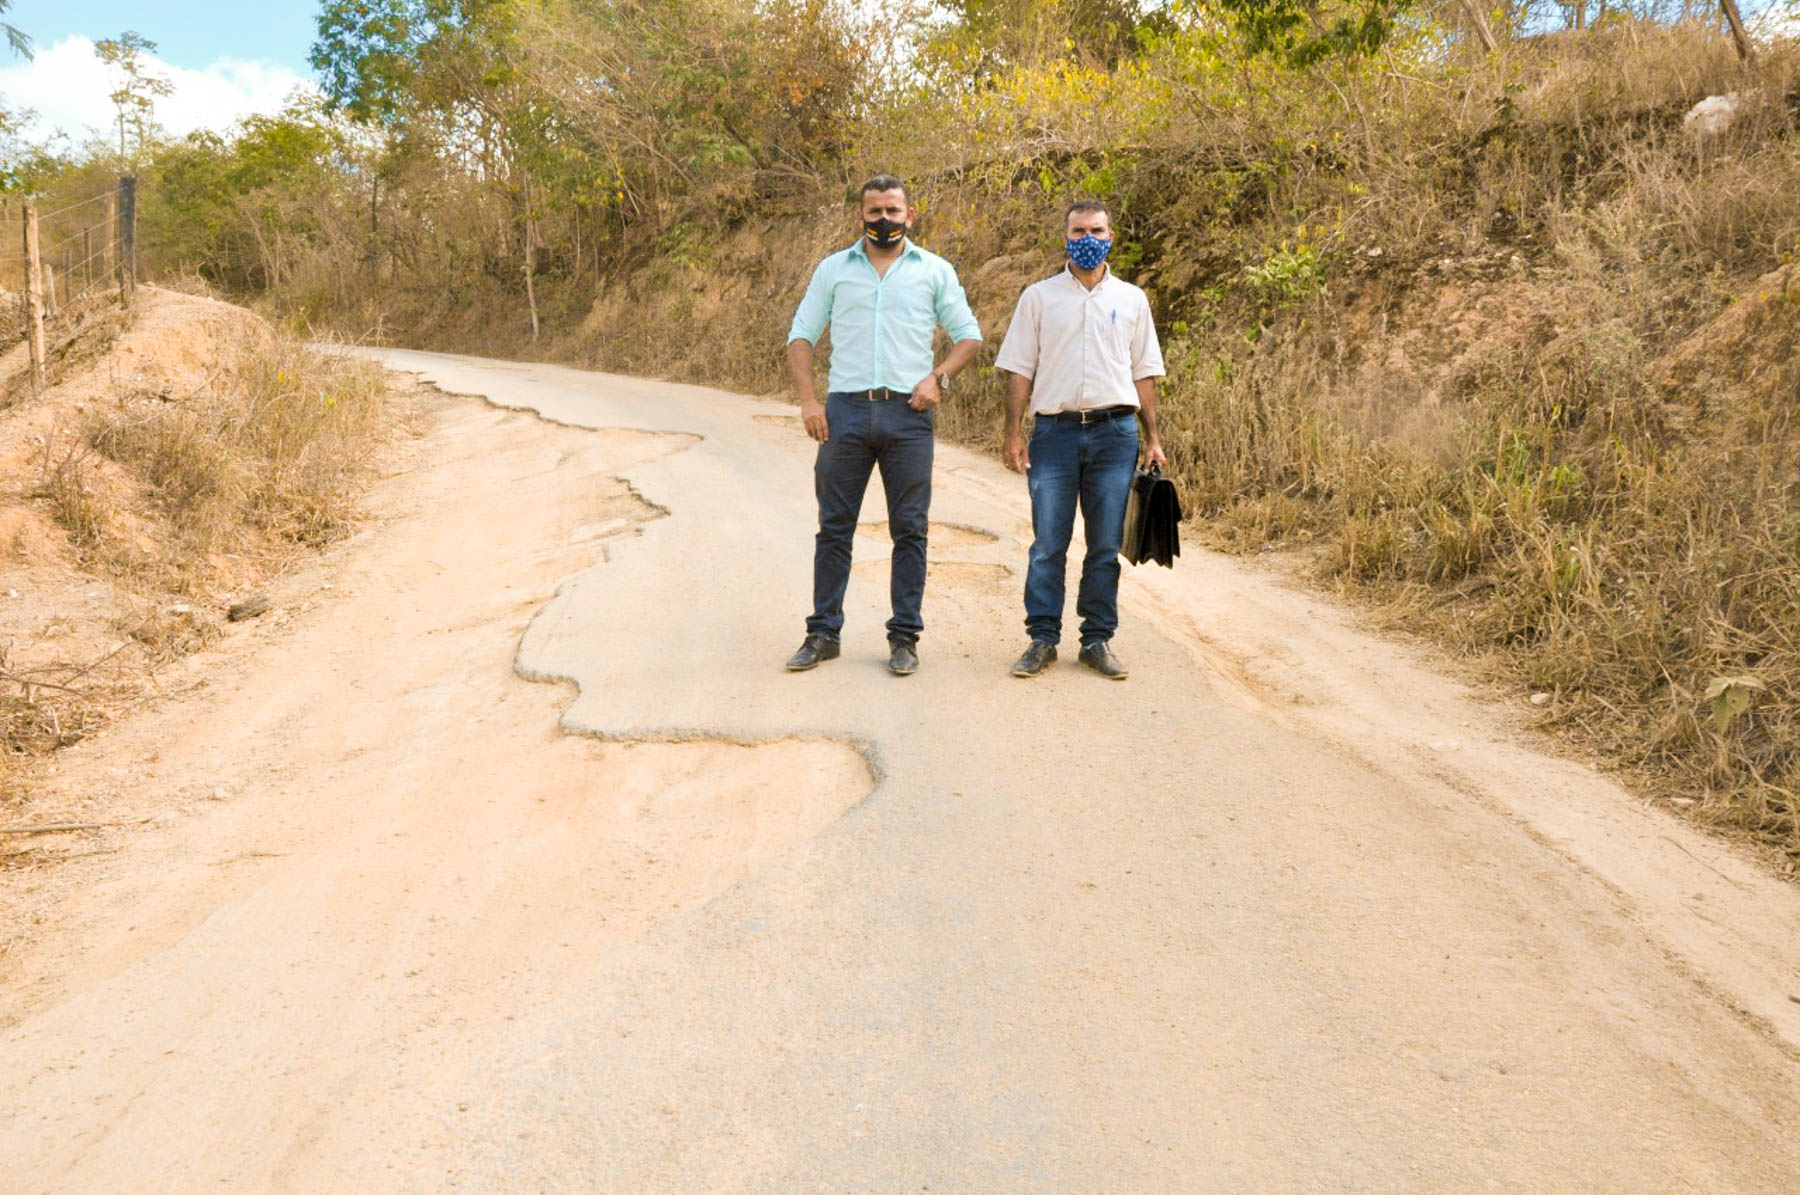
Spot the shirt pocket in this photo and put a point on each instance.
(1115, 339)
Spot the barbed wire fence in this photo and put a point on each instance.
(53, 259)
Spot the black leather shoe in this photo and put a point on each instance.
(816, 649)
(903, 659)
(1099, 657)
(1037, 657)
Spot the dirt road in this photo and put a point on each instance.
(1285, 911)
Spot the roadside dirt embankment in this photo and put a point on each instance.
(181, 455)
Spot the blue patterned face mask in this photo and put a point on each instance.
(1088, 252)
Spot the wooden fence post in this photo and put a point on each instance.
(127, 239)
(34, 295)
(110, 241)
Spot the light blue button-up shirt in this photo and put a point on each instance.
(881, 326)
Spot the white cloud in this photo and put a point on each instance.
(67, 87)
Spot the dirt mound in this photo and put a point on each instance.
(167, 348)
(1755, 342)
(96, 580)
(177, 340)
(169, 341)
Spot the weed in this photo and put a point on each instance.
(270, 452)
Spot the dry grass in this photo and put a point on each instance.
(177, 498)
(270, 453)
(1504, 346)
(46, 708)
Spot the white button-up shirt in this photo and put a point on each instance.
(1081, 348)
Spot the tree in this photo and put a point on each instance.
(1100, 33)
(15, 37)
(437, 75)
(135, 87)
(381, 60)
(243, 208)
(366, 55)
(1739, 38)
(1301, 33)
(10, 121)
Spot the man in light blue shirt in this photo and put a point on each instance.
(883, 298)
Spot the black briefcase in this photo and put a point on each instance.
(1152, 519)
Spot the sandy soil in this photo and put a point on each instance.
(1286, 911)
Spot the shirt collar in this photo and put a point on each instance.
(1107, 277)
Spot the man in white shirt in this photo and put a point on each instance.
(1082, 359)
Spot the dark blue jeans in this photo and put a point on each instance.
(1092, 465)
(900, 441)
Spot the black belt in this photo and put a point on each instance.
(881, 395)
(1093, 415)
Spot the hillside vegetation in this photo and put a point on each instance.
(1499, 339)
(182, 454)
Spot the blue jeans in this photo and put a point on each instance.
(1091, 464)
(864, 435)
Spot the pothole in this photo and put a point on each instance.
(942, 535)
(966, 577)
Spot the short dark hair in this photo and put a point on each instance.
(882, 182)
(1088, 205)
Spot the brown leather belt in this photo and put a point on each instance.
(882, 395)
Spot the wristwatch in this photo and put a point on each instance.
(943, 380)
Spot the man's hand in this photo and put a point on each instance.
(1153, 453)
(812, 413)
(1017, 453)
(926, 394)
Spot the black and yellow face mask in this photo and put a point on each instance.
(884, 233)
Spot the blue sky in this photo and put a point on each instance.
(225, 60)
(187, 33)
